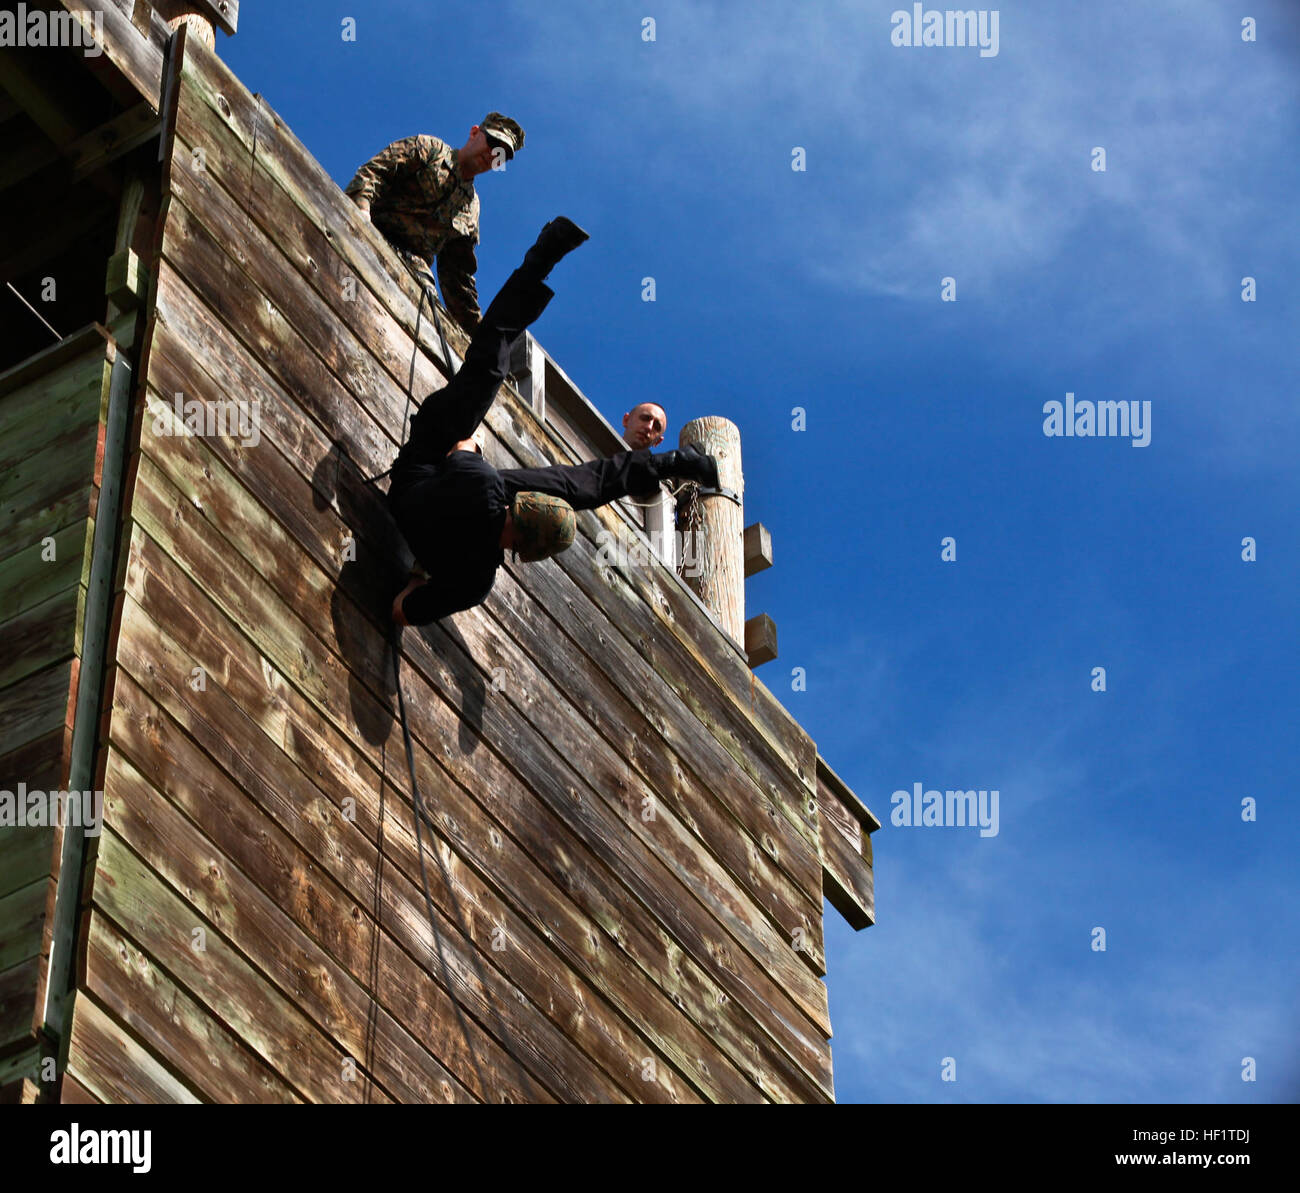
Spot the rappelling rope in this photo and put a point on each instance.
(429, 291)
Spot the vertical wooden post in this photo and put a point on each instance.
(714, 559)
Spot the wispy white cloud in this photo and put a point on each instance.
(945, 163)
(984, 977)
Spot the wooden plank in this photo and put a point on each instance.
(18, 1001)
(221, 14)
(269, 340)
(211, 365)
(25, 852)
(113, 1066)
(41, 704)
(289, 641)
(254, 130)
(288, 257)
(20, 1066)
(103, 145)
(22, 913)
(564, 790)
(540, 835)
(845, 807)
(846, 825)
(53, 365)
(69, 501)
(814, 879)
(264, 924)
(72, 395)
(849, 882)
(139, 58)
(654, 606)
(44, 634)
(208, 486)
(27, 579)
(544, 705)
(312, 351)
(329, 838)
(172, 763)
(232, 664)
(186, 1037)
(182, 503)
(53, 464)
(127, 283)
(218, 977)
(192, 601)
(42, 762)
(73, 1093)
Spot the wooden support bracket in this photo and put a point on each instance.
(758, 549)
(760, 640)
(845, 825)
(127, 280)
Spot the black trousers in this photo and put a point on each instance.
(454, 413)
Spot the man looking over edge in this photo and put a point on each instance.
(419, 192)
(644, 425)
(458, 513)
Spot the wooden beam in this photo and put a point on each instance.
(113, 138)
(717, 523)
(40, 96)
(760, 640)
(845, 825)
(758, 549)
(72, 345)
(25, 158)
(127, 280)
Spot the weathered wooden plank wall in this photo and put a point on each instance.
(52, 411)
(628, 838)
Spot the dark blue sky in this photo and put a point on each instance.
(821, 289)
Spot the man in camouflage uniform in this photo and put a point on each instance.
(419, 192)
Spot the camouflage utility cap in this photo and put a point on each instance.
(544, 526)
(504, 131)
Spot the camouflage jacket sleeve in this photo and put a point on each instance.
(457, 265)
(399, 158)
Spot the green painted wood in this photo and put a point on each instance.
(27, 579)
(22, 915)
(26, 853)
(39, 705)
(44, 634)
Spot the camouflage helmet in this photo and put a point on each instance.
(504, 131)
(544, 526)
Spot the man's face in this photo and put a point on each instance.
(644, 426)
(476, 157)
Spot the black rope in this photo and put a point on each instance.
(419, 848)
(427, 290)
(421, 816)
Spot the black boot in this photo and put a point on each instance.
(518, 305)
(688, 463)
(557, 238)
